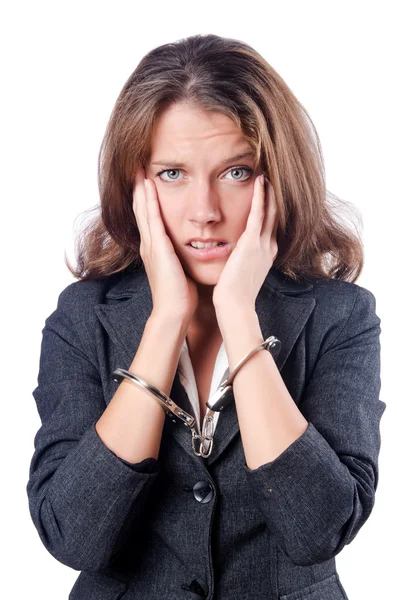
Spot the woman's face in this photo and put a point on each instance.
(203, 191)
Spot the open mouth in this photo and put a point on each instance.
(221, 250)
(206, 248)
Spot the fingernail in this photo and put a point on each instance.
(262, 179)
(145, 180)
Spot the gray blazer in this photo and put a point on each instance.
(184, 527)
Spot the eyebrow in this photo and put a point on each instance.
(177, 165)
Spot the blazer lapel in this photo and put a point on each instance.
(281, 312)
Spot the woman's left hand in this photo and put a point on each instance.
(251, 259)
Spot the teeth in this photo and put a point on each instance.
(202, 245)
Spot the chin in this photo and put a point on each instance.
(205, 274)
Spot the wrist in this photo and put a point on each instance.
(230, 316)
(170, 322)
(240, 330)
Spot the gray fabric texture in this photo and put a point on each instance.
(137, 530)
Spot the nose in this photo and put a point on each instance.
(203, 203)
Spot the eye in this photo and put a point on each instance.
(168, 171)
(249, 171)
(233, 170)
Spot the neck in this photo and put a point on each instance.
(205, 311)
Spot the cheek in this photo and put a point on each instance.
(171, 215)
(237, 218)
(236, 199)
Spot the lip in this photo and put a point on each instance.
(197, 239)
(204, 254)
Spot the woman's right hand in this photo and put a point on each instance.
(174, 294)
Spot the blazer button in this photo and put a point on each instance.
(203, 492)
(198, 589)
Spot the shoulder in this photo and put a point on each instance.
(342, 296)
(343, 307)
(328, 293)
(74, 318)
(333, 299)
(79, 297)
(76, 302)
(344, 293)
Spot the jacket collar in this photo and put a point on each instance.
(283, 308)
(135, 283)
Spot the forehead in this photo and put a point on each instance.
(182, 128)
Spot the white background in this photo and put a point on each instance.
(63, 66)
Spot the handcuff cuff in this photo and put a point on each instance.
(218, 401)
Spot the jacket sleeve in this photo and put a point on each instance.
(83, 499)
(319, 492)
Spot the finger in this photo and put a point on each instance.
(257, 213)
(137, 183)
(269, 224)
(155, 221)
(140, 207)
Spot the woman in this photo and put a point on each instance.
(210, 417)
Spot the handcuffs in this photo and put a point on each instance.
(218, 401)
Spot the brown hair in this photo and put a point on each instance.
(226, 75)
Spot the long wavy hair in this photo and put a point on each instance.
(315, 238)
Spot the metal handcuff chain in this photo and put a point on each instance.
(221, 398)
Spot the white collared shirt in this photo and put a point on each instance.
(221, 371)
